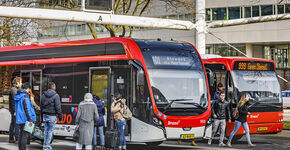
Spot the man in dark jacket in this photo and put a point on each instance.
(50, 109)
(14, 128)
(24, 112)
(219, 110)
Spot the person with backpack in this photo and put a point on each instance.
(87, 116)
(50, 109)
(219, 110)
(242, 110)
(14, 128)
(24, 112)
(99, 126)
(121, 113)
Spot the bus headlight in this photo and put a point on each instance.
(157, 121)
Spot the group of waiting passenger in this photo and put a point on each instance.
(89, 119)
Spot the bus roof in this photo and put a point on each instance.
(229, 62)
(71, 51)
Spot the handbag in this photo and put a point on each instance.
(236, 113)
(76, 134)
(28, 127)
(127, 114)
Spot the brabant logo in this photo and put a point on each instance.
(254, 116)
(174, 123)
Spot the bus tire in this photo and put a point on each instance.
(153, 144)
(237, 137)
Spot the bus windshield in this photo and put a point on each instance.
(262, 86)
(187, 88)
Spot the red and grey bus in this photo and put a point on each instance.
(164, 82)
(254, 76)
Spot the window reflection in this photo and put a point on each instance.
(267, 10)
(256, 11)
(219, 14)
(234, 13)
(248, 12)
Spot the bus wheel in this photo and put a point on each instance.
(153, 144)
(237, 138)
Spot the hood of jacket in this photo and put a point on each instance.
(20, 93)
(48, 94)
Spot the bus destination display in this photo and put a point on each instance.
(171, 61)
(253, 65)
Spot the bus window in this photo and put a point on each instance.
(142, 107)
(99, 83)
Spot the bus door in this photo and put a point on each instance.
(99, 86)
(121, 83)
(216, 74)
(34, 78)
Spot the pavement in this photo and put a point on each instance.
(264, 142)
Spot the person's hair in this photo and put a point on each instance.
(50, 85)
(26, 85)
(16, 80)
(242, 101)
(220, 85)
(118, 96)
(96, 97)
(222, 92)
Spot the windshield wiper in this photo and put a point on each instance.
(172, 101)
(195, 104)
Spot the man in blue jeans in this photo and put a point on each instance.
(117, 108)
(50, 109)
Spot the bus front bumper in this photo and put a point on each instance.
(258, 128)
(184, 133)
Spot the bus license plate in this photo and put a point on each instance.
(187, 136)
(262, 128)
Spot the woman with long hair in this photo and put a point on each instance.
(242, 120)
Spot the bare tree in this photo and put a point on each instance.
(122, 7)
(14, 31)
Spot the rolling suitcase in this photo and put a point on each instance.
(112, 139)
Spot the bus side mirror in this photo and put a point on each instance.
(210, 76)
(140, 77)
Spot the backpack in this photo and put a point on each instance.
(236, 113)
(127, 114)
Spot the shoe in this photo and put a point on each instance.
(11, 141)
(209, 142)
(222, 145)
(251, 145)
(229, 144)
(193, 143)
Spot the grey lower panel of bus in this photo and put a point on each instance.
(144, 132)
(140, 131)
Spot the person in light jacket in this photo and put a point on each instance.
(117, 108)
(86, 117)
